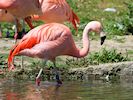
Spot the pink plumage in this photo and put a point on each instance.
(46, 10)
(51, 40)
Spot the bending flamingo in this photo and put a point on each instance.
(51, 40)
(46, 10)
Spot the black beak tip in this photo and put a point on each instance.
(103, 39)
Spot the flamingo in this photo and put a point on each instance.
(5, 18)
(8, 17)
(46, 10)
(51, 40)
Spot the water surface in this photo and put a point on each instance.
(73, 90)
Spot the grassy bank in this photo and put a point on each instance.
(114, 23)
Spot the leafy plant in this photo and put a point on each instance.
(106, 56)
(128, 18)
(103, 56)
(75, 62)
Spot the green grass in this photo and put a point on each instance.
(114, 23)
(107, 56)
(95, 58)
(88, 10)
(130, 52)
(3, 60)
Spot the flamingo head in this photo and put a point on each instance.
(103, 37)
(96, 27)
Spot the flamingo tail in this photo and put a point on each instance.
(20, 46)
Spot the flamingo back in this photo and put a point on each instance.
(47, 38)
(57, 11)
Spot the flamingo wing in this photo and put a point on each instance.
(27, 43)
(56, 11)
(46, 41)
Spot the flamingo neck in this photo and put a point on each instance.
(86, 43)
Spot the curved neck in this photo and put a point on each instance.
(86, 44)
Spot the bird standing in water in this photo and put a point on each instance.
(51, 40)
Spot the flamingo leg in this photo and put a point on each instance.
(16, 32)
(38, 78)
(57, 74)
(22, 60)
(0, 31)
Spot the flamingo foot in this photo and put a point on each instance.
(38, 81)
(58, 80)
(11, 68)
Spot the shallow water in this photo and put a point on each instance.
(91, 90)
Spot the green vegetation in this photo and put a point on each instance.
(128, 18)
(95, 58)
(115, 23)
(107, 56)
(3, 58)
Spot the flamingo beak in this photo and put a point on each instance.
(103, 37)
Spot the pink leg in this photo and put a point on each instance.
(38, 79)
(15, 37)
(0, 35)
(11, 68)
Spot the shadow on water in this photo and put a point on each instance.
(73, 90)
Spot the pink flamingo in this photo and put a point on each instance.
(8, 17)
(5, 17)
(46, 10)
(51, 40)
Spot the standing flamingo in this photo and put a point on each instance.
(51, 40)
(5, 17)
(46, 10)
(8, 17)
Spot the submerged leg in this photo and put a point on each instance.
(38, 79)
(57, 74)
